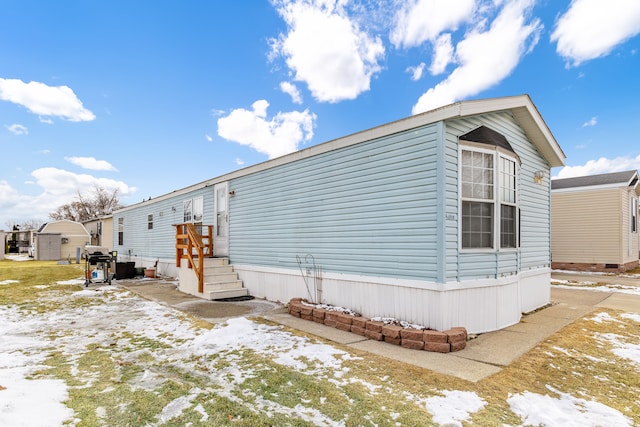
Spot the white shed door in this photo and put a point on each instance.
(221, 229)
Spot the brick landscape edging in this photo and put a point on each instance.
(454, 339)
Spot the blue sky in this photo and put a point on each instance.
(148, 97)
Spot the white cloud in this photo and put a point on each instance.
(239, 161)
(291, 90)
(592, 122)
(417, 71)
(274, 137)
(18, 129)
(602, 165)
(442, 54)
(91, 163)
(326, 49)
(592, 28)
(208, 137)
(58, 188)
(486, 57)
(424, 20)
(59, 101)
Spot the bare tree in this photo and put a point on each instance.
(99, 203)
(31, 224)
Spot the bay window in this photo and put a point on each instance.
(488, 199)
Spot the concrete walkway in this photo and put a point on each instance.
(485, 355)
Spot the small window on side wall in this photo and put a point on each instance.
(150, 222)
(187, 209)
(120, 231)
(634, 214)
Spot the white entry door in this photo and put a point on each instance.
(221, 231)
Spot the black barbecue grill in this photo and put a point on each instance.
(97, 265)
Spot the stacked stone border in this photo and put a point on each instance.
(454, 339)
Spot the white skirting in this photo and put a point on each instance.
(478, 305)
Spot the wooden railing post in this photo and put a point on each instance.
(188, 240)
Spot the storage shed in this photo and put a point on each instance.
(440, 219)
(594, 222)
(73, 238)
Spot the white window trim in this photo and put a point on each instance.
(497, 153)
(197, 209)
(633, 213)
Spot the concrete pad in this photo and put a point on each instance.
(498, 348)
(311, 327)
(562, 312)
(577, 296)
(625, 302)
(444, 363)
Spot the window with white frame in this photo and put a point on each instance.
(150, 222)
(187, 209)
(197, 210)
(634, 214)
(489, 209)
(121, 231)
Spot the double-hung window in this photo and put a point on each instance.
(477, 199)
(488, 199)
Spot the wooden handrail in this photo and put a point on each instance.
(194, 246)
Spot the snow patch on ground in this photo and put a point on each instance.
(564, 411)
(453, 407)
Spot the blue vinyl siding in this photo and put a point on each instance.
(533, 201)
(365, 209)
(159, 242)
(386, 207)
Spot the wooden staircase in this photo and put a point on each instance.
(200, 273)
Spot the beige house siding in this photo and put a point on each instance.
(101, 231)
(630, 241)
(591, 229)
(73, 234)
(586, 227)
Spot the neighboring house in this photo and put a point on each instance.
(101, 231)
(594, 222)
(69, 236)
(4, 244)
(440, 219)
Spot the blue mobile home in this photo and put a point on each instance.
(441, 219)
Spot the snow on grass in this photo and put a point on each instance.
(453, 407)
(631, 316)
(604, 317)
(564, 411)
(18, 257)
(21, 355)
(71, 282)
(621, 348)
(24, 338)
(8, 282)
